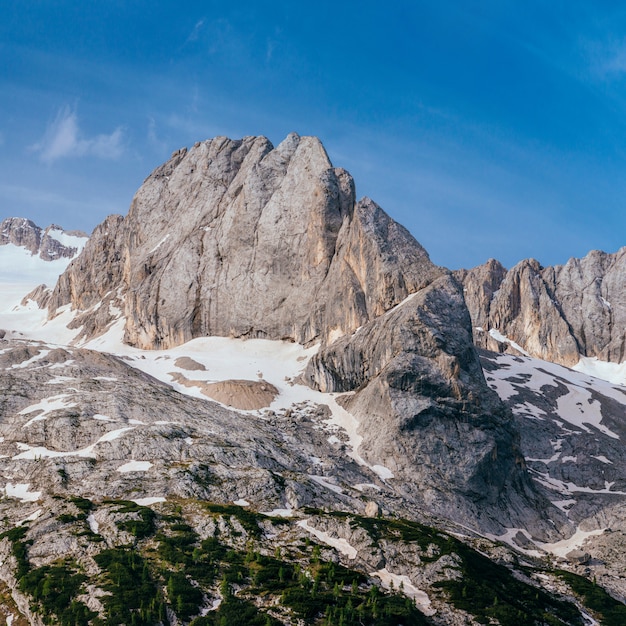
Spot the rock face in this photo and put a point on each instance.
(75, 420)
(572, 432)
(239, 238)
(554, 313)
(479, 286)
(50, 244)
(397, 419)
(427, 414)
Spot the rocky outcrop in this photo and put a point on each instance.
(90, 282)
(479, 286)
(238, 238)
(45, 243)
(554, 313)
(76, 420)
(426, 413)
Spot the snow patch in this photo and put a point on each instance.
(498, 336)
(362, 486)
(134, 466)
(326, 482)
(40, 355)
(21, 272)
(31, 518)
(102, 418)
(47, 406)
(340, 544)
(114, 434)
(148, 501)
(611, 372)
(278, 513)
(160, 243)
(602, 459)
(403, 583)
(20, 491)
(384, 472)
(561, 548)
(509, 538)
(93, 524)
(67, 240)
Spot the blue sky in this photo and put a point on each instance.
(489, 129)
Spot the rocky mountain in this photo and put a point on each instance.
(254, 399)
(49, 244)
(555, 313)
(31, 259)
(241, 239)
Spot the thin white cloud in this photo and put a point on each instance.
(606, 59)
(63, 138)
(193, 36)
(616, 62)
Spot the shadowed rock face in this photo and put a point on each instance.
(425, 411)
(554, 313)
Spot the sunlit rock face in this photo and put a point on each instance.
(554, 313)
(238, 238)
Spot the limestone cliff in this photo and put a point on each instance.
(243, 239)
(50, 244)
(554, 313)
(237, 238)
(425, 411)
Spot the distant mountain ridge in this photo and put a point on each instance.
(557, 313)
(50, 244)
(366, 401)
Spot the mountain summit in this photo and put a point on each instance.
(252, 357)
(241, 239)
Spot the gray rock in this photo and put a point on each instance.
(372, 509)
(237, 238)
(579, 557)
(43, 243)
(426, 413)
(554, 313)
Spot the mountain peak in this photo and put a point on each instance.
(49, 244)
(240, 238)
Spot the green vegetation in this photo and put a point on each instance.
(234, 611)
(142, 525)
(247, 518)
(484, 589)
(134, 597)
(169, 567)
(53, 589)
(82, 504)
(19, 549)
(611, 611)
(491, 591)
(184, 597)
